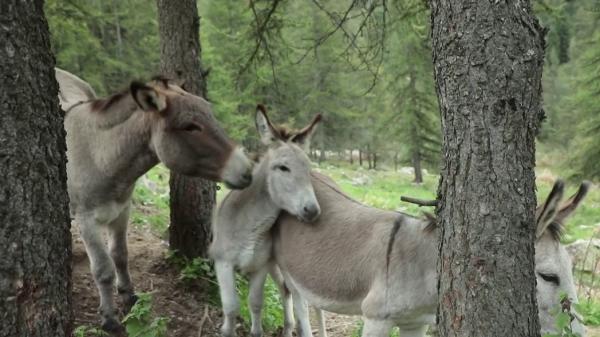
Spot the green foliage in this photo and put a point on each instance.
(563, 319)
(151, 201)
(203, 269)
(140, 323)
(107, 43)
(590, 310)
(272, 313)
(88, 331)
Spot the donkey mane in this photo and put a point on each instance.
(556, 229)
(102, 104)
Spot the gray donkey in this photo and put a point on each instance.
(281, 181)
(360, 260)
(111, 142)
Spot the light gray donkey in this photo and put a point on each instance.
(281, 181)
(360, 260)
(111, 142)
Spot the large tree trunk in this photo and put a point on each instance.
(35, 237)
(488, 59)
(192, 199)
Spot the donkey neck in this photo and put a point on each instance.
(256, 203)
(114, 144)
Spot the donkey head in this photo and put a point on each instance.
(186, 136)
(553, 266)
(288, 177)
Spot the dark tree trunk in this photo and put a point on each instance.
(322, 156)
(35, 237)
(488, 58)
(192, 199)
(416, 161)
(374, 160)
(351, 158)
(396, 161)
(360, 157)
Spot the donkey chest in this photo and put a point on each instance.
(254, 253)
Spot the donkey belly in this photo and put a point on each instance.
(336, 305)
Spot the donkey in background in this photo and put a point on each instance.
(360, 260)
(281, 181)
(111, 142)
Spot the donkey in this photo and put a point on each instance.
(111, 142)
(281, 181)
(349, 262)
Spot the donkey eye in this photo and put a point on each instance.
(192, 127)
(552, 278)
(283, 168)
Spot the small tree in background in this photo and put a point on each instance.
(192, 199)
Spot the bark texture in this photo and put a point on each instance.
(35, 237)
(488, 59)
(192, 199)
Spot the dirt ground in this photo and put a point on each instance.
(185, 306)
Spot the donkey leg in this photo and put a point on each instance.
(229, 299)
(119, 255)
(103, 271)
(321, 322)
(255, 301)
(302, 317)
(413, 331)
(377, 328)
(286, 299)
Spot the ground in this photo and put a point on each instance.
(150, 273)
(185, 303)
(185, 306)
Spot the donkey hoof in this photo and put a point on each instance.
(129, 302)
(112, 326)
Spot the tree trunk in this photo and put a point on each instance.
(192, 199)
(395, 161)
(351, 158)
(35, 239)
(375, 160)
(359, 157)
(488, 58)
(416, 160)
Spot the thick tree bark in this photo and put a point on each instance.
(488, 58)
(192, 199)
(35, 237)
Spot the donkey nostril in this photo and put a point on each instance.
(311, 212)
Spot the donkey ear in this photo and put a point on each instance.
(545, 213)
(572, 203)
(147, 98)
(303, 136)
(266, 130)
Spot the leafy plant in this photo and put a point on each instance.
(87, 331)
(140, 323)
(563, 319)
(590, 310)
